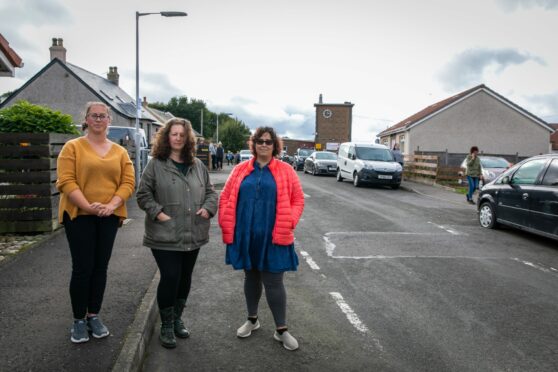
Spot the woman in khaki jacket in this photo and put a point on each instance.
(178, 199)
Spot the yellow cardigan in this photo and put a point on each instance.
(98, 178)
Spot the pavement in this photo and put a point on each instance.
(35, 311)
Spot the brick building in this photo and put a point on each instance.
(290, 145)
(333, 124)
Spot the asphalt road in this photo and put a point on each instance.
(389, 280)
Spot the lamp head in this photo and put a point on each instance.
(173, 14)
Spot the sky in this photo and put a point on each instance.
(267, 62)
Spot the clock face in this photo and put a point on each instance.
(327, 113)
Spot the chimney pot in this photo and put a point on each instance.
(112, 75)
(320, 100)
(57, 50)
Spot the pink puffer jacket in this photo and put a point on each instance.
(290, 201)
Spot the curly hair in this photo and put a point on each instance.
(473, 149)
(161, 146)
(277, 143)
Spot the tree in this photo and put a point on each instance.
(233, 134)
(190, 109)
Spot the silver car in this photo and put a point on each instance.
(321, 162)
(491, 166)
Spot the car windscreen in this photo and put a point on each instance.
(494, 163)
(304, 152)
(370, 153)
(326, 156)
(245, 152)
(116, 134)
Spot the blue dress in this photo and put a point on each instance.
(252, 247)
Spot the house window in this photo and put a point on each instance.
(402, 143)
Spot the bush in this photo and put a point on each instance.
(24, 117)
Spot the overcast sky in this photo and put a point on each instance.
(267, 61)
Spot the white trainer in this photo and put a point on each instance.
(246, 329)
(289, 342)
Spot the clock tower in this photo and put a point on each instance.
(333, 124)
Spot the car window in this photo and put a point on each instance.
(304, 152)
(494, 162)
(351, 151)
(551, 176)
(528, 172)
(326, 156)
(369, 153)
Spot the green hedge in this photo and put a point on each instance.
(24, 117)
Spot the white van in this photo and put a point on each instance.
(368, 163)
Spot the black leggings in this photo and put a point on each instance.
(274, 293)
(90, 239)
(176, 275)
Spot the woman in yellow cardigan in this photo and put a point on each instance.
(95, 178)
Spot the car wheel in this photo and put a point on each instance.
(304, 169)
(487, 215)
(339, 177)
(314, 173)
(356, 180)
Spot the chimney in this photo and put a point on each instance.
(57, 50)
(112, 75)
(320, 100)
(144, 103)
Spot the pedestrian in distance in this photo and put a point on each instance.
(473, 172)
(95, 178)
(397, 154)
(220, 154)
(213, 153)
(178, 199)
(229, 157)
(259, 208)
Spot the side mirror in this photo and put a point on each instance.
(353, 157)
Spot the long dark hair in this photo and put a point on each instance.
(277, 143)
(161, 146)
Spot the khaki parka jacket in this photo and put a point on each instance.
(163, 188)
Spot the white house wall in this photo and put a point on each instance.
(484, 121)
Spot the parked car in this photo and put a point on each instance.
(524, 197)
(245, 155)
(299, 158)
(368, 163)
(321, 162)
(491, 166)
(286, 157)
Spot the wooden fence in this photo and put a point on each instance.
(426, 169)
(28, 196)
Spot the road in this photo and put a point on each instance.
(389, 280)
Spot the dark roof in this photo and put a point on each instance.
(111, 93)
(432, 109)
(107, 92)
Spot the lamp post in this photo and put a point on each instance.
(138, 104)
(222, 113)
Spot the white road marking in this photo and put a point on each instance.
(309, 260)
(306, 195)
(535, 266)
(451, 231)
(351, 315)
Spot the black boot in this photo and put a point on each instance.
(167, 333)
(179, 329)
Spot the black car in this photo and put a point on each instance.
(321, 162)
(299, 158)
(524, 197)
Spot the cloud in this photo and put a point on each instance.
(512, 5)
(468, 68)
(289, 121)
(546, 105)
(156, 87)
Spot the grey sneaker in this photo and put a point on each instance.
(246, 329)
(96, 327)
(289, 342)
(79, 332)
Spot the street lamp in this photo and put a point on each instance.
(138, 104)
(222, 113)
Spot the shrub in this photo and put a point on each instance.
(24, 117)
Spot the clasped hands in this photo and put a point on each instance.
(102, 210)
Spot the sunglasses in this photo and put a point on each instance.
(267, 142)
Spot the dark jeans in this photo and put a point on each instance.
(176, 275)
(473, 185)
(90, 239)
(219, 162)
(274, 293)
(213, 161)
